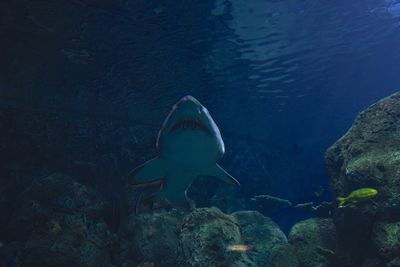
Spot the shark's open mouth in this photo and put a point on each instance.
(189, 124)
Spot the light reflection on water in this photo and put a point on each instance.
(287, 44)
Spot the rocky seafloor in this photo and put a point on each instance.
(59, 221)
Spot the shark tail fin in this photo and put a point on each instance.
(151, 173)
(218, 172)
(342, 201)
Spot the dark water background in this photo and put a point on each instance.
(85, 86)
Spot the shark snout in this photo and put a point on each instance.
(189, 98)
(189, 105)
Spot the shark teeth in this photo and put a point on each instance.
(189, 124)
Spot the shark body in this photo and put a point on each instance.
(189, 144)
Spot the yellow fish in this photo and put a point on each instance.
(240, 248)
(357, 196)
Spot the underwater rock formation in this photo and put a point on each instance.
(202, 237)
(260, 232)
(205, 236)
(368, 156)
(151, 237)
(312, 242)
(386, 240)
(58, 222)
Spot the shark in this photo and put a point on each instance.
(189, 145)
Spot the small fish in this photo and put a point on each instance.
(240, 248)
(356, 196)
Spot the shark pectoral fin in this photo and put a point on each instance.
(223, 175)
(150, 173)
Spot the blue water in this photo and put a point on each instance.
(282, 79)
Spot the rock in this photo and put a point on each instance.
(206, 233)
(151, 237)
(394, 263)
(58, 222)
(366, 156)
(314, 242)
(260, 232)
(285, 256)
(53, 197)
(198, 238)
(371, 262)
(386, 239)
(73, 245)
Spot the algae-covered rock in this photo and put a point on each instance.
(205, 236)
(284, 256)
(262, 233)
(386, 239)
(68, 245)
(52, 196)
(314, 242)
(151, 237)
(394, 263)
(199, 238)
(58, 222)
(368, 155)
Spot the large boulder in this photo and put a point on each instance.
(204, 239)
(285, 256)
(151, 237)
(386, 240)
(201, 237)
(314, 241)
(368, 155)
(260, 232)
(56, 195)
